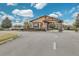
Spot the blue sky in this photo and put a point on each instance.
(22, 11)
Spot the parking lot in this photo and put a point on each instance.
(43, 44)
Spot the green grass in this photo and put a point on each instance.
(7, 36)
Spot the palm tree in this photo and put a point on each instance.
(60, 25)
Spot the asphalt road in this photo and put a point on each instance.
(42, 44)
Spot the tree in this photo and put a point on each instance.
(27, 25)
(6, 23)
(60, 25)
(76, 24)
(1, 28)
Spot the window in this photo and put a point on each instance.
(36, 26)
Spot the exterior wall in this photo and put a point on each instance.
(41, 24)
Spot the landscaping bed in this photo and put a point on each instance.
(8, 36)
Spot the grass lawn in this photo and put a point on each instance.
(6, 36)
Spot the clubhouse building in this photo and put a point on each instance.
(44, 22)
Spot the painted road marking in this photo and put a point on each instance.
(54, 45)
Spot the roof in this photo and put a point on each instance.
(56, 19)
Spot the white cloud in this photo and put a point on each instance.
(32, 4)
(53, 15)
(72, 10)
(16, 11)
(4, 15)
(76, 8)
(18, 23)
(68, 21)
(75, 14)
(9, 16)
(56, 14)
(24, 13)
(0, 16)
(39, 5)
(11, 4)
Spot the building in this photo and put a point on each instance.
(44, 22)
(17, 26)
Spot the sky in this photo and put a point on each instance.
(20, 12)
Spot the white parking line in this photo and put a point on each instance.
(54, 45)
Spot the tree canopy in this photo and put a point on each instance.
(6, 23)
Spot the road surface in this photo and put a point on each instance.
(42, 44)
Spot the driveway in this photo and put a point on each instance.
(42, 44)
